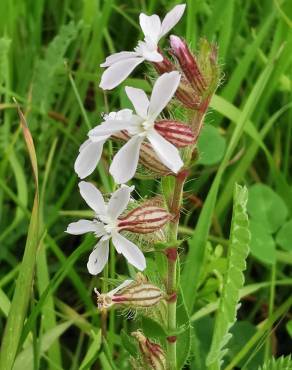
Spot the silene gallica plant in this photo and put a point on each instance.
(156, 139)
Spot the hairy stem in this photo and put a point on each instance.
(171, 282)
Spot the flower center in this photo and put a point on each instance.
(108, 224)
(147, 125)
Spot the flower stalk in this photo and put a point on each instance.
(171, 280)
(156, 142)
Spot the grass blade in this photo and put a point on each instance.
(24, 282)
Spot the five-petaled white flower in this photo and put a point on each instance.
(140, 126)
(105, 226)
(121, 64)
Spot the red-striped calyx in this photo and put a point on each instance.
(178, 133)
(138, 293)
(147, 218)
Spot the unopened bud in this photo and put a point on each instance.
(179, 134)
(138, 293)
(144, 219)
(187, 63)
(153, 356)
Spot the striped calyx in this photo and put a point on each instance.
(138, 293)
(179, 134)
(153, 356)
(147, 218)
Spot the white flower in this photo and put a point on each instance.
(105, 227)
(141, 126)
(120, 65)
(90, 151)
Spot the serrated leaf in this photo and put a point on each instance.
(281, 363)
(47, 74)
(233, 279)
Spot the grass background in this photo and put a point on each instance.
(49, 57)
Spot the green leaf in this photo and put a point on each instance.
(262, 244)
(233, 279)
(25, 360)
(266, 207)
(19, 305)
(281, 363)
(167, 184)
(92, 351)
(183, 338)
(152, 328)
(129, 344)
(289, 327)
(242, 331)
(45, 80)
(284, 236)
(211, 146)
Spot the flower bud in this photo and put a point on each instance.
(175, 132)
(138, 293)
(153, 356)
(200, 73)
(144, 219)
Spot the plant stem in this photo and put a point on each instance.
(171, 283)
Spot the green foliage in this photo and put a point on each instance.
(282, 363)
(266, 207)
(284, 236)
(21, 297)
(50, 72)
(41, 45)
(234, 279)
(262, 244)
(211, 146)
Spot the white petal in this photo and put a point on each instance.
(119, 201)
(163, 90)
(153, 56)
(98, 257)
(117, 57)
(92, 197)
(118, 72)
(124, 114)
(121, 286)
(109, 127)
(81, 227)
(167, 153)
(151, 26)
(130, 251)
(171, 18)
(88, 158)
(125, 162)
(139, 100)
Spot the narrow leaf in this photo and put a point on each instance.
(24, 281)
